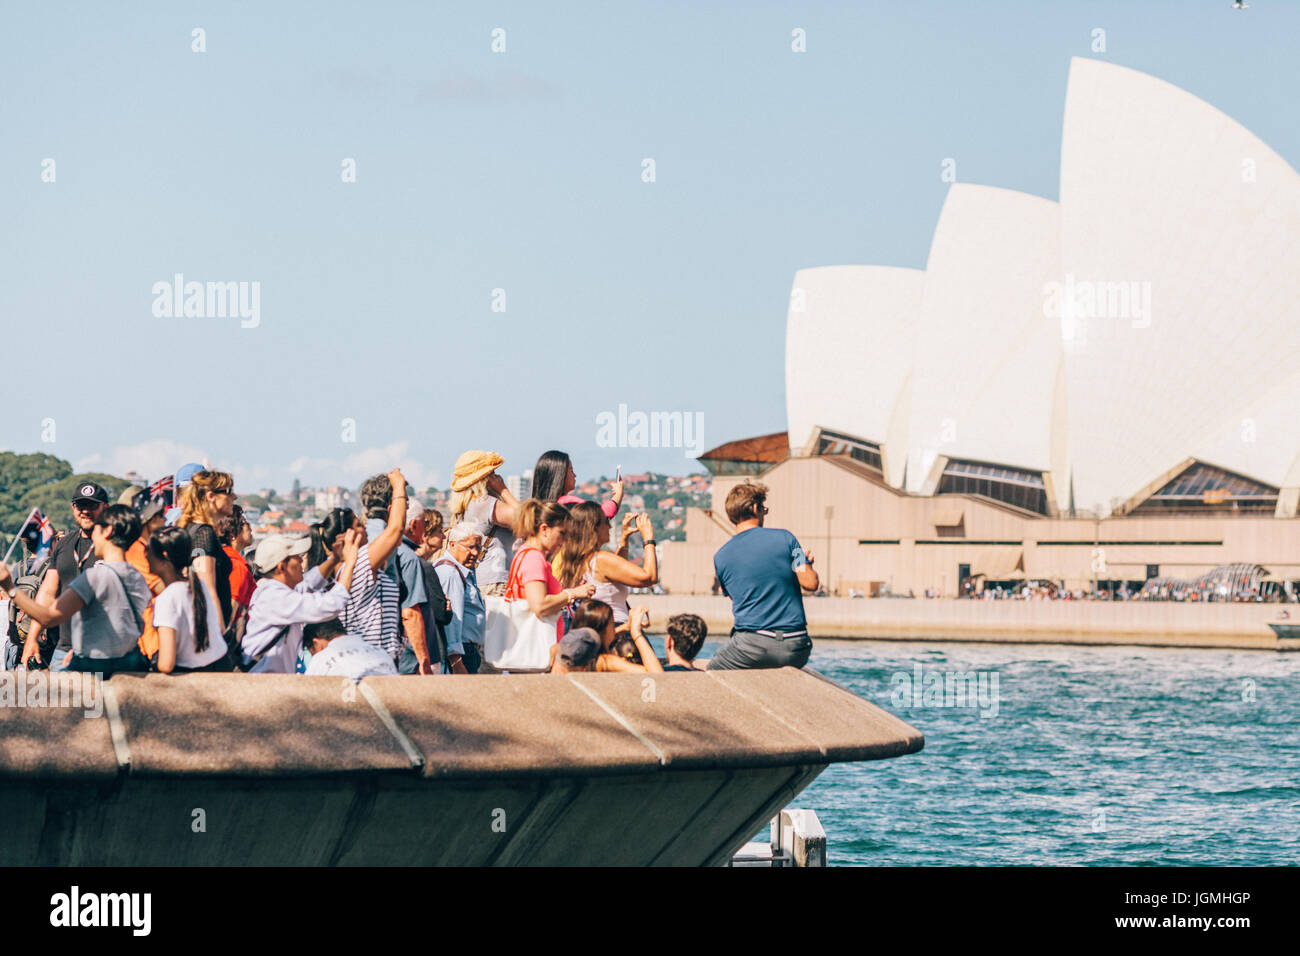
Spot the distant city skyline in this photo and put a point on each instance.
(414, 236)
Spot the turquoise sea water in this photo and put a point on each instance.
(1107, 756)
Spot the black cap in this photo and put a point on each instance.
(89, 491)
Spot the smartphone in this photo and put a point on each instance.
(618, 473)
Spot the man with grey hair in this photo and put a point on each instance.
(455, 573)
(423, 624)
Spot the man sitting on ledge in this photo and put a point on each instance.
(762, 570)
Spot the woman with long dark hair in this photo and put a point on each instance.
(582, 558)
(185, 614)
(554, 480)
(326, 532)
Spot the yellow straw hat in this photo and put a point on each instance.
(472, 467)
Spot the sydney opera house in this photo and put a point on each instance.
(1103, 388)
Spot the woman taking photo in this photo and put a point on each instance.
(479, 495)
(541, 527)
(554, 480)
(189, 635)
(209, 497)
(582, 558)
(327, 532)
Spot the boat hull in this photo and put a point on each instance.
(613, 769)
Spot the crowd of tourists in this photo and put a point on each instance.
(172, 583)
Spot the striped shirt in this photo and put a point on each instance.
(372, 611)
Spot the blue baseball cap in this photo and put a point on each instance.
(186, 472)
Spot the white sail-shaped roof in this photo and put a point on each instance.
(1164, 196)
(986, 355)
(1150, 318)
(848, 345)
(1260, 441)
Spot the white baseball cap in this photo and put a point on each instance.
(276, 548)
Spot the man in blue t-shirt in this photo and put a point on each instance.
(763, 571)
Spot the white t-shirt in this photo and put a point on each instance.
(174, 608)
(351, 656)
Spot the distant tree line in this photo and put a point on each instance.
(42, 481)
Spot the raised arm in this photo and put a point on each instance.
(506, 507)
(382, 548)
(620, 570)
(629, 529)
(638, 617)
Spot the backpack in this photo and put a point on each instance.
(28, 584)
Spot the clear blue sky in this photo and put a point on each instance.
(519, 171)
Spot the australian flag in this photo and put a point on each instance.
(37, 533)
(164, 489)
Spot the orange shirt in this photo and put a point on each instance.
(241, 578)
(136, 557)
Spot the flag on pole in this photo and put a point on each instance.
(37, 533)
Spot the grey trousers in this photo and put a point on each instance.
(747, 650)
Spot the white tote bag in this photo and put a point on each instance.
(514, 638)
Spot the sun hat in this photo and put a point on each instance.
(127, 497)
(472, 467)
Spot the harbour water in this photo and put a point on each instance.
(1102, 756)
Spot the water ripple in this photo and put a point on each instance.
(1141, 756)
